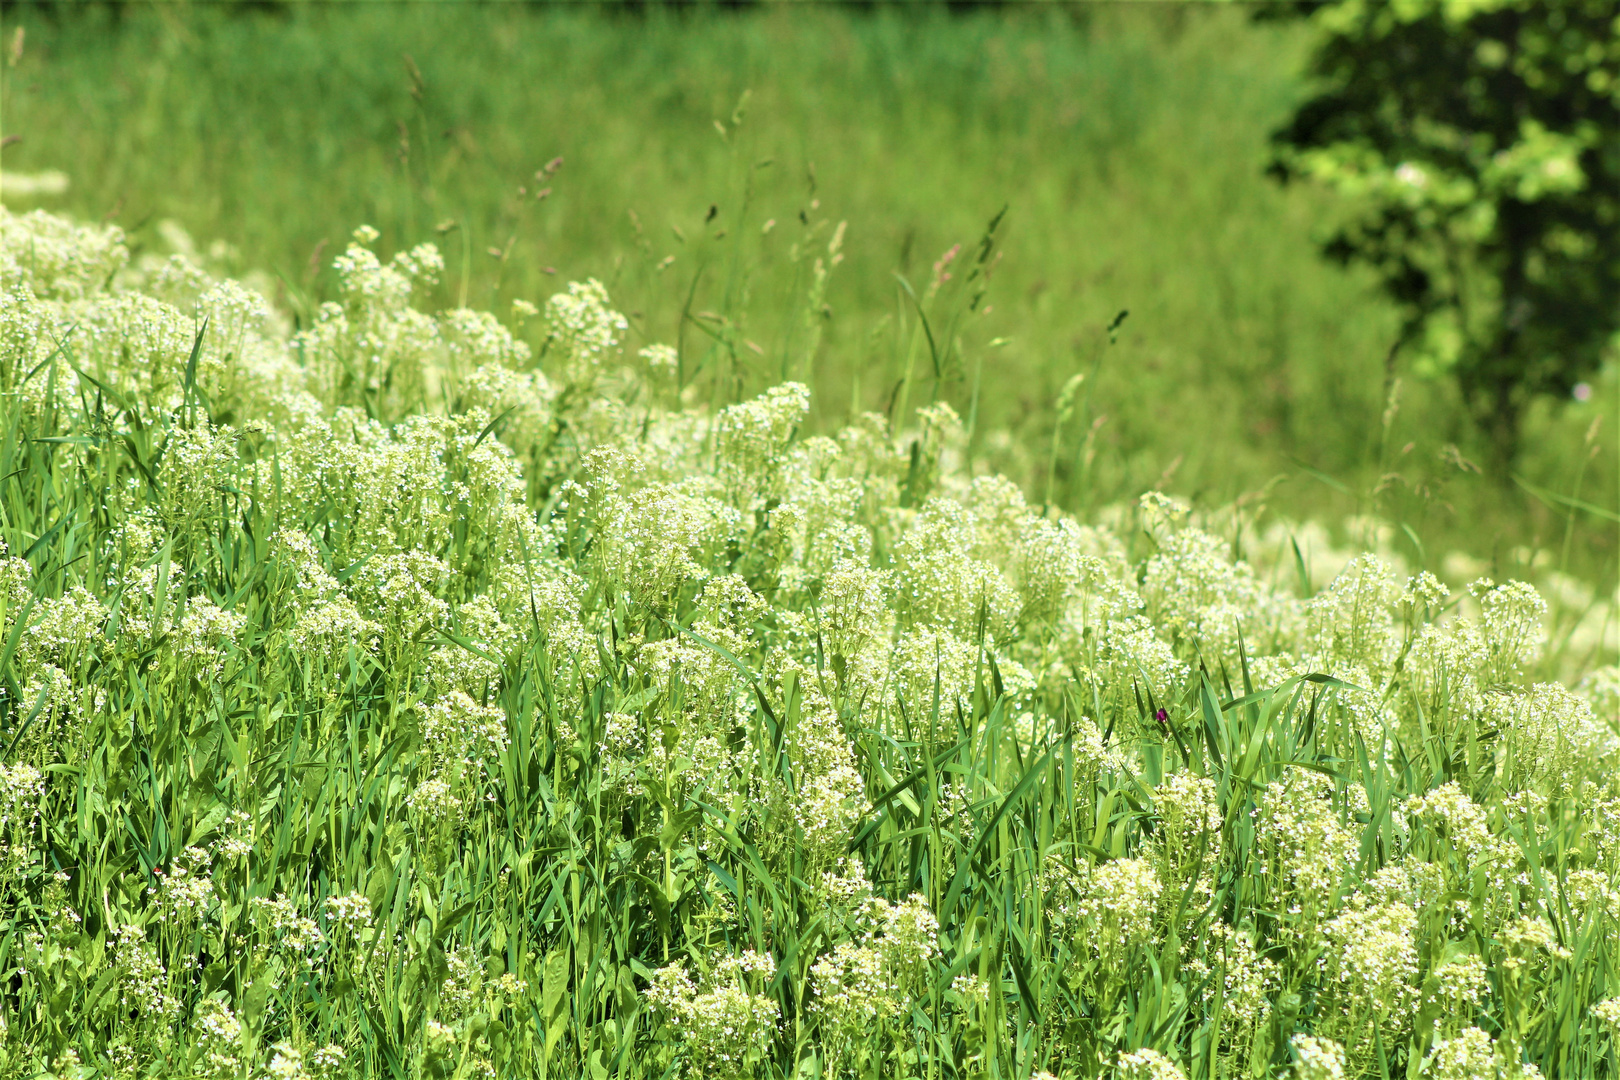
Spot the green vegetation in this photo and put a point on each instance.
(1127, 143)
(1479, 138)
(415, 664)
(460, 710)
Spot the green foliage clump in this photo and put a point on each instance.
(1478, 140)
(391, 698)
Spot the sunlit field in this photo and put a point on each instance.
(702, 165)
(480, 641)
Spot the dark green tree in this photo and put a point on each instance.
(1479, 144)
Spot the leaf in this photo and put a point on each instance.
(1551, 497)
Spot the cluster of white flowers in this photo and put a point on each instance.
(22, 788)
(350, 915)
(751, 439)
(1458, 986)
(219, 1043)
(1120, 902)
(716, 624)
(1375, 962)
(186, 891)
(1473, 1054)
(1147, 1064)
(1463, 832)
(1249, 980)
(1317, 1059)
(1193, 590)
(1190, 826)
(1608, 1012)
(285, 926)
(875, 975)
(583, 327)
(1530, 941)
(726, 1022)
(1302, 824)
(143, 983)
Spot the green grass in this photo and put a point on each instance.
(493, 703)
(343, 740)
(1127, 143)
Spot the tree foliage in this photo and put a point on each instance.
(1480, 143)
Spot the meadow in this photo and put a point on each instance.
(707, 162)
(418, 663)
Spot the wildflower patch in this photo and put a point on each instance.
(414, 694)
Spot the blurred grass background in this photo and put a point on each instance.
(1127, 143)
